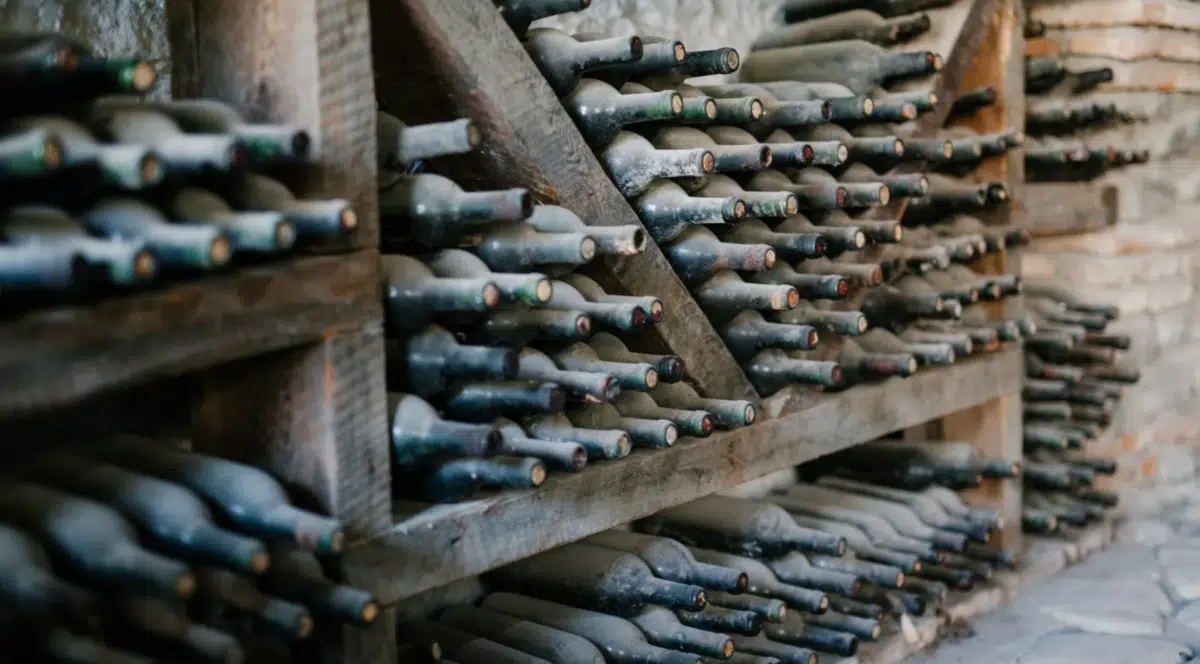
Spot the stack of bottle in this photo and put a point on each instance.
(815, 570)
(1057, 152)
(756, 191)
(130, 551)
(104, 192)
(1074, 383)
(503, 362)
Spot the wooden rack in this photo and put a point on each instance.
(289, 357)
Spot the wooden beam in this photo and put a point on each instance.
(303, 62)
(435, 545)
(439, 59)
(55, 356)
(1063, 208)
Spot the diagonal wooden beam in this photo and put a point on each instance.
(437, 59)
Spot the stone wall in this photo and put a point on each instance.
(1149, 262)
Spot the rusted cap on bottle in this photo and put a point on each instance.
(708, 162)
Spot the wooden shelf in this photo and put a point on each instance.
(52, 357)
(443, 543)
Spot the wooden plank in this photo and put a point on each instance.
(443, 543)
(439, 59)
(55, 356)
(303, 62)
(1040, 48)
(1061, 208)
(315, 418)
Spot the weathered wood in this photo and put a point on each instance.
(315, 418)
(994, 428)
(440, 544)
(1060, 208)
(304, 62)
(438, 59)
(55, 356)
(1040, 47)
(1172, 14)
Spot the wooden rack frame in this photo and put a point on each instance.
(289, 356)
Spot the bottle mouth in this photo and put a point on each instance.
(679, 51)
(710, 109)
(868, 106)
(544, 290)
(348, 219)
(756, 109)
(807, 154)
(732, 60)
(636, 47)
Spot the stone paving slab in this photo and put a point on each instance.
(1138, 602)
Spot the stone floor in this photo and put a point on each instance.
(1137, 602)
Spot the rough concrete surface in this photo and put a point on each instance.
(1136, 602)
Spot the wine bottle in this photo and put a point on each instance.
(222, 591)
(668, 211)
(785, 149)
(972, 100)
(631, 375)
(888, 303)
(553, 645)
(894, 106)
(902, 518)
(520, 247)
(759, 204)
(31, 590)
(726, 295)
(91, 541)
(617, 315)
(868, 538)
(179, 152)
(776, 113)
(862, 24)
(464, 646)
(659, 54)
(60, 645)
(125, 261)
(601, 111)
(598, 577)
(597, 387)
(946, 458)
(796, 631)
(649, 433)
(748, 333)
(559, 455)
(672, 561)
(722, 621)
(820, 196)
(484, 401)
(795, 569)
(44, 269)
(520, 13)
(910, 185)
(633, 163)
(743, 526)
(795, 11)
(563, 59)
(311, 218)
(529, 288)
(761, 645)
(260, 142)
(126, 166)
(151, 624)
(836, 223)
(697, 254)
(201, 247)
(859, 65)
(400, 146)
(245, 496)
(878, 340)
(769, 610)
(787, 245)
(698, 108)
(437, 212)
(726, 157)
(858, 365)
(296, 576)
(871, 150)
(727, 413)
(413, 294)
(261, 232)
(168, 515)
(764, 583)
(930, 511)
(844, 105)
(840, 323)
(594, 293)
(881, 531)
(663, 629)
(610, 240)
(808, 286)
(619, 640)
(609, 348)
(697, 423)
(430, 360)
(599, 443)
(457, 479)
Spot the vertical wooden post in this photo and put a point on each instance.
(304, 62)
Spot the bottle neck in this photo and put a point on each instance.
(798, 113)
(747, 337)
(738, 111)
(909, 65)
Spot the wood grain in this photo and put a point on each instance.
(435, 545)
(438, 59)
(52, 357)
(302, 62)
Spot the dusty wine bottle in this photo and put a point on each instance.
(808, 286)
(457, 479)
(844, 105)
(553, 645)
(519, 247)
(748, 333)
(529, 288)
(484, 401)
(725, 295)
(31, 590)
(727, 413)
(862, 24)
(671, 560)
(697, 423)
(91, 540)
(428, 361)
(633, 163)
(859, 65)
(651, 305)
(649, 433)
(761, 645)
(222, 591)
(437, 212)
(200, 247)
(599, 443)
(261, 232)
(820, 196)
(412, 293)
(759, 204)
(744, 526)
(764, 583)
(563, 59)
(610, 240)
(125, 261)
(697, 254)
(246, 496)
(590, 386)
(722, 621)
(311, 218)
(125, 166)
(520, 13)
(601, 111)
(787, 244)
(400, 146)
(167, 514)
(668, 211)
(840, 323)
